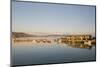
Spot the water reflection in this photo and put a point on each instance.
(50, 51)
(84, 46)
(48, 42)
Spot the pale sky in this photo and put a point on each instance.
(41, 17)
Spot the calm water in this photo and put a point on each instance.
(50, 53)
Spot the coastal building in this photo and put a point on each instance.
(75, 38)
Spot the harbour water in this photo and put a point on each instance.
(50, 53)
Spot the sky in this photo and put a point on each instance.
(52, 18)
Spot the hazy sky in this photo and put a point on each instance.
(40, 17)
